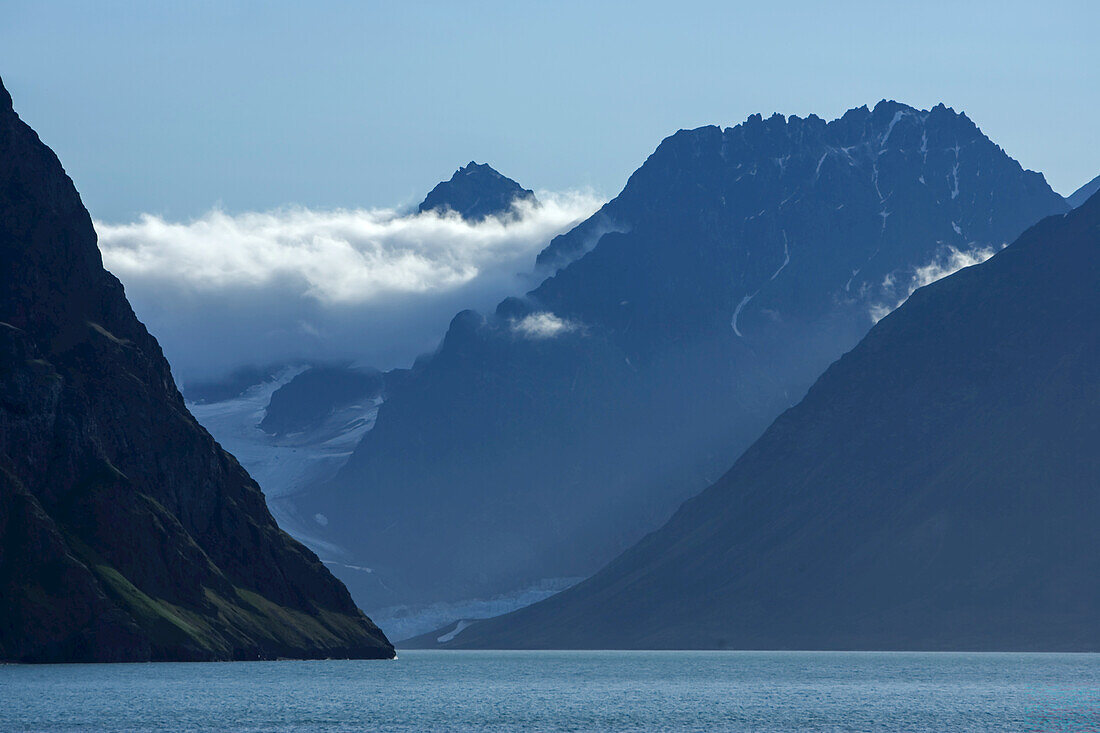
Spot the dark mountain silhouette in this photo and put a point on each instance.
(1084, 193)
(476, 192)
(936, 489)
(306, 400)
(543, 439)
(126, 532)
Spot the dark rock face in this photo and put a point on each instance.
(936, 489)
(476, 192)
(545, 438)
(1084, 193)
(126, 532)
(310, 397)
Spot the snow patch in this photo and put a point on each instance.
(747, 298)
(955, 173)
(890, 128)
(737, 314)
(874, 180)
(786, 257)
(458, 629)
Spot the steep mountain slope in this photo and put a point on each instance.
(1084, 193)
(476, 192)
(545, 438)
(936, 489)
(126, 533)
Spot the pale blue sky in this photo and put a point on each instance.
(175, 107)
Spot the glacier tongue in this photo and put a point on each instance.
(406, 622)
(286, 465)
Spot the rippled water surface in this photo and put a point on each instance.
(572, 691)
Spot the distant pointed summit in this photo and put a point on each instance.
(476, 191)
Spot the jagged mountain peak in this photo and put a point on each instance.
(678, 320)
(473, 168)
(859, 124)
(762, 166)
(476, 191)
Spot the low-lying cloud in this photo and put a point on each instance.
(543, 325)
(373, 286)
(901, 288)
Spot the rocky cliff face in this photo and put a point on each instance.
(936, 489)
(679, 321)
(126, 532)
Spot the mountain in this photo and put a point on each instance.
(126, 532)
(542, 440)
(1084, 193)
(308, 399)
(935, 489)
(476, 192)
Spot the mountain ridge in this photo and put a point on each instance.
(126, 533)
(1084, 193)
(542, 439)
(933, 490)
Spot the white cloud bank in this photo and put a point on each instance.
(938, 269)
(374, 286)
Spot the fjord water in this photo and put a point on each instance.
(568, 691)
